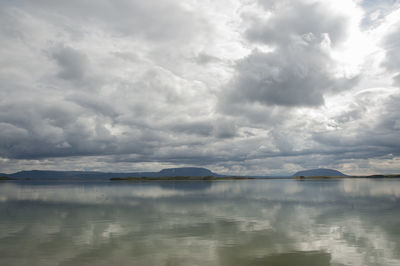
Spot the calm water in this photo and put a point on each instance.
(263, 222)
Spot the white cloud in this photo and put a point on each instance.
(232, 85)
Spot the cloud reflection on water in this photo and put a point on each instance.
(346, 222)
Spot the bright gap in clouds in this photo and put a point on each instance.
(242, 87)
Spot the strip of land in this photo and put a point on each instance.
(202, 178)
(346, 177)
(213, 178)
(180, 178)
(5, 178)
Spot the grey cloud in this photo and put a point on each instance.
(298, 72)
(202, 128)
(81, 107)
(57, 129)
(296, 18)
(142, 84)
(204, 59)
(41, 125)
(392, 47)
(397, 79)
(392, 44)
(375, 11)
(73, 64)
(94, 103)
(388, 127)
(79, 123)
(72, 102)
(356, 111)
(252, 114)
(368, 140)
(365, 134)
(282, 78)
(282, 141)
(163, 20)
(225, 128)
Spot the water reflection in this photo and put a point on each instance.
(266, 222)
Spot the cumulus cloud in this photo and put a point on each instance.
(299, 70)
(287, 77)
(242, 87)
(289, 19)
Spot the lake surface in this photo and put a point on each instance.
(251, 222)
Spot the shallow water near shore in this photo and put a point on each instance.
(246, 222)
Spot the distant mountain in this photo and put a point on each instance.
(319, 172)
(170, 172)
(186, 171)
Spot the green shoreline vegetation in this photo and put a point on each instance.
(5, 178)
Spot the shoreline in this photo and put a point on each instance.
(202, 178)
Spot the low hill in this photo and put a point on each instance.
(319, 172)
(170, 172)
(186, 171)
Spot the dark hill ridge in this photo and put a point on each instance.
(187, 171)
(319, 172)
(170, 172)
(183, 173)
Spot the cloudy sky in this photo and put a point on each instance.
(237, 86)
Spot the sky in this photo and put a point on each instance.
(251, 87)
